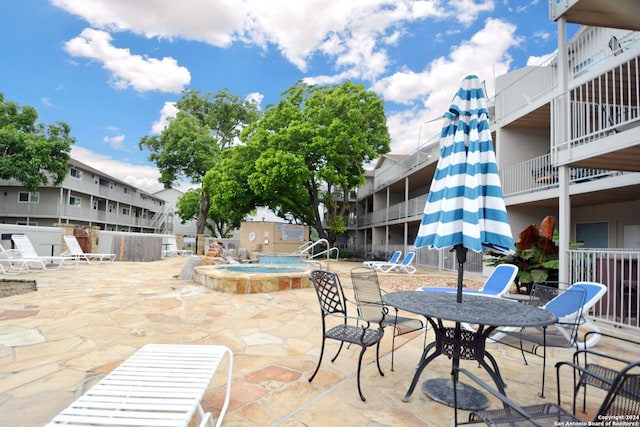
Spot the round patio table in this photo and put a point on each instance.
(456, 342)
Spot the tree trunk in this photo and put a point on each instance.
(203, 213)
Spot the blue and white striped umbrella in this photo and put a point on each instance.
(465, 205)
(465, 208)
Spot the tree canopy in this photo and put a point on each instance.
(30, 152)
(205, 125)
(308, 152)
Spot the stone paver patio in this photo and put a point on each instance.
(81, 323)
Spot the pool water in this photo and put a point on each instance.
(281, 259)
(262, 269)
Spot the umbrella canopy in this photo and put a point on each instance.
(465, 209)
(465, 205)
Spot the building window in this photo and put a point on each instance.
(76, 173)
(95, 205)
(126, 190)
(111, 185)
(593, 235)
(144, 215)
(126, 211)
(28, 197)
(111, 208)
(74, 201)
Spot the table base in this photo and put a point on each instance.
(441, 390)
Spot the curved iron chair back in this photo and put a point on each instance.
(368, 296)
(333, 304)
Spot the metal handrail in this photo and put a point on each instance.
(307, 248)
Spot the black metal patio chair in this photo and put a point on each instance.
(333, 304)
(368, 296)
(621, 403)
(596, 368)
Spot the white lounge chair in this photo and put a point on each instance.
(172, 248)
(159, 385)
(496, 285)
(571, 306)
(74, 250)
(11, 262)
(376, 264)
(405, 265)
(28, 252)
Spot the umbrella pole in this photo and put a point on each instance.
(461, 257)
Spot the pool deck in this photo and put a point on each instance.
(81, 323)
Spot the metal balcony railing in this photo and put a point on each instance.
(619, 270)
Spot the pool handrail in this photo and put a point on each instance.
(307, 247)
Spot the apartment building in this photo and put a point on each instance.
(567, 139)
(587, 178)
(87, 198)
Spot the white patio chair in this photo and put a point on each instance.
(571, 306)
(377, 264)
(28, 252)
(172, 249)
(405, 265)
(496, 285)
(74, 250)
(11, 262)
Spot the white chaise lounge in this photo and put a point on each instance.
(171, 248)
(28, 252)
(75, 250)
(159, 385)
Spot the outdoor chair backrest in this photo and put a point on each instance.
(172, 244)
(73, 245)
(624, 396)
(24, 245)
(562, 306)
(500, 280)
(567, 304)
(330, 293)
(368, 295)
(408, 259)
(396, 256)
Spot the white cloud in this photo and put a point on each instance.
(353, 34)
(114, 141)
(255, 97)
(430, 91)
(143, 177)
(129, 70)
(167, 113)
(539, 60)
(46, 102)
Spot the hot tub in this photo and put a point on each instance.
(252, 278)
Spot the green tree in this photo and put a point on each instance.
(31, 152)
(191, 144)
(308, 152)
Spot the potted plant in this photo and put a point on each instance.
(536, 256)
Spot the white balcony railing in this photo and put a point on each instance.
(425, 154)
(539, 173)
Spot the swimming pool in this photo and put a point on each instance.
(251, 278)
(281, 259)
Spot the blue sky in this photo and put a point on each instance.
(111, 69)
